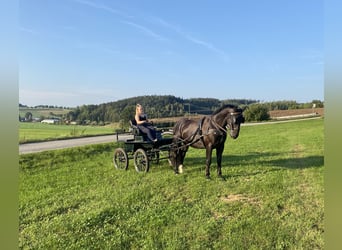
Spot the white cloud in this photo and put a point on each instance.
(28, 30)
(191, 38)
(103, 7)
(145, 30)
(209, 46)
(44, 94)
(66, 98)
(42, 97)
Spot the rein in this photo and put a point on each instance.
(192, 136)
(218, 126)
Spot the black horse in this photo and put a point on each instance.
(210, 132)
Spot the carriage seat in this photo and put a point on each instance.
(138, 134)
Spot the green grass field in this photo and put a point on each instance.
(272, 196)
(32, 131)
(37, 112)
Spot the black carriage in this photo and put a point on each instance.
(136, 146)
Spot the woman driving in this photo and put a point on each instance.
(143, 123)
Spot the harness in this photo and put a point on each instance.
(199, 131)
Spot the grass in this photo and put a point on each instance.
(271, 196)
(33, 132)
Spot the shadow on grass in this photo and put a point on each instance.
(298, 162)
(273, 161)
(265, 159)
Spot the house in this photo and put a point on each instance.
(50, 121)
(36, 119)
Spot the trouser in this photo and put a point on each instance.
(149, 131)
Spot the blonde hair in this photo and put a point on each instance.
(138, 106)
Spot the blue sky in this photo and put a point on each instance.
(75, 52)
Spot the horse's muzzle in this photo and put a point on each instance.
(234, 136)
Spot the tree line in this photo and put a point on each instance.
(161, 106)
(155, 106)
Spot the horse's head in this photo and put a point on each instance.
(229, 116)
(234, 119)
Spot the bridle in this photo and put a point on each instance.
(228, 126)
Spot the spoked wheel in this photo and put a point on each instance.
(120, 159)
(167, 133)
(154, 156)
(141, 161)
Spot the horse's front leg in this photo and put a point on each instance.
(209, 151)
(175, 152)
(178, 156)
(182, 157)
(178, 161)
(219, 152)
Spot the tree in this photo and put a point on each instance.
(256, 112)
(28, 117)
(127, 113)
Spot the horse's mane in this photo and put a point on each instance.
(224, 107)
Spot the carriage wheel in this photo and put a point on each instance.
(141, 161)
(120, 159)
(167, 133)
(156, 157)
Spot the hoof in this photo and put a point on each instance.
(208, 177)
(221, 178)
(180, 169)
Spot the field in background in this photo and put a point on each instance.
(46, 112)
(34, 132)
(296, 112)
(274, 114)
(272, 196)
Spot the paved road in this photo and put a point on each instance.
(59, 144)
